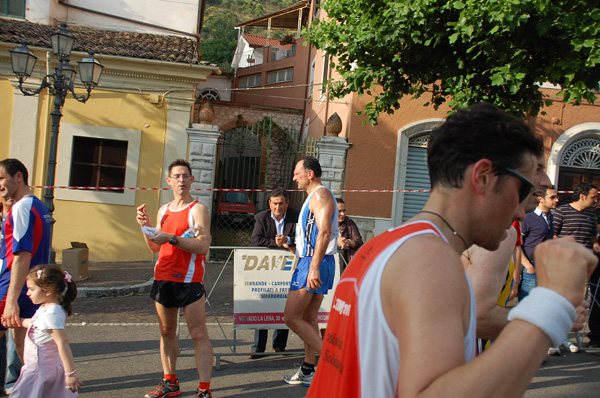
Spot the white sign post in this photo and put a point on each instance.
(261, 281)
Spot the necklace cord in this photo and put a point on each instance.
(452, 229)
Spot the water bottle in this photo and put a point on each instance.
(190, 233)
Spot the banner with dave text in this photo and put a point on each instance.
(261, 281)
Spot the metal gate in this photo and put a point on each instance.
(252, 158)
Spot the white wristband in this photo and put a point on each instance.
(547, 310)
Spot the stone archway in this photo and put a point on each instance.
(575, 157)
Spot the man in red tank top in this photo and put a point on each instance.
(182, 239)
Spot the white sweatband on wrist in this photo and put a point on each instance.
(547, 310)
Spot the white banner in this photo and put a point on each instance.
(261, 280)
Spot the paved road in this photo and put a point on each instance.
(115, 344)
(123, 360)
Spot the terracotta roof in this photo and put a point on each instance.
(261, 41)
(125, 44)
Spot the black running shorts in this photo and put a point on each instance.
(176, 294)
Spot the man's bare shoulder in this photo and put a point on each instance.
(423, 253)
(321, 198)
(162, 210)
(423, 277)
(200, 211)
(424, 266)
(200, 207)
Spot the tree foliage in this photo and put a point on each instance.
(219, 37)
(462, 51)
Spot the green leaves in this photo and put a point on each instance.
(463, 51)
(219, 37)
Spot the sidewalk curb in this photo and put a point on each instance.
(114, 291)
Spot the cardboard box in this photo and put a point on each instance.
(75, 260)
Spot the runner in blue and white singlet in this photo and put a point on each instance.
(307, 231)
(306, 239)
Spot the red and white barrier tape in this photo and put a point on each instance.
(234, 189)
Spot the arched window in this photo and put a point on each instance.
(579, 162)
(209, 94)
(584, 152)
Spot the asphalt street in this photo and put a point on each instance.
(115, 345)
(122, 358)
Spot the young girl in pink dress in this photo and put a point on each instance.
(49, 369)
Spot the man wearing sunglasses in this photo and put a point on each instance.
(538, 227)
(409, 283)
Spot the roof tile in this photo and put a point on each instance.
(127, 44)
(261, 41)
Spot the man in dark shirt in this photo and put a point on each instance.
(578, 219)
(537, 228)
(274, 228)
(350, 239)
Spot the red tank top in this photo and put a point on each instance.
(174, 264)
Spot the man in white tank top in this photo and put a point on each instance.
(316, 234)
(408, 284)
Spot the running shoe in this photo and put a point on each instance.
(165, 389)
(203, 394)
(299, 378)
(567, 345)
(554, 350)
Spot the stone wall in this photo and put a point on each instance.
(332, 157)
(371, 226)
(229, 115)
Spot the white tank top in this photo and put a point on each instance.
(307, 231)
(378, 346)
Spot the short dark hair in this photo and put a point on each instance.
(279, 192)
(180, 162)
(13, 166)
(544, 191)
(583, 188)
(483, 131)
(340, 200)
(312, 163)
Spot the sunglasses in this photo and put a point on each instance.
(526, 185)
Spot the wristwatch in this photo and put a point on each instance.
(173, 240)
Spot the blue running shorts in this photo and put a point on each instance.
(326, 269)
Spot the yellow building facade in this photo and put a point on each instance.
(144, 103)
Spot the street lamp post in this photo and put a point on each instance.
(59, 84)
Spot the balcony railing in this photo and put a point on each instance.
(256, 56)
(276, 54)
